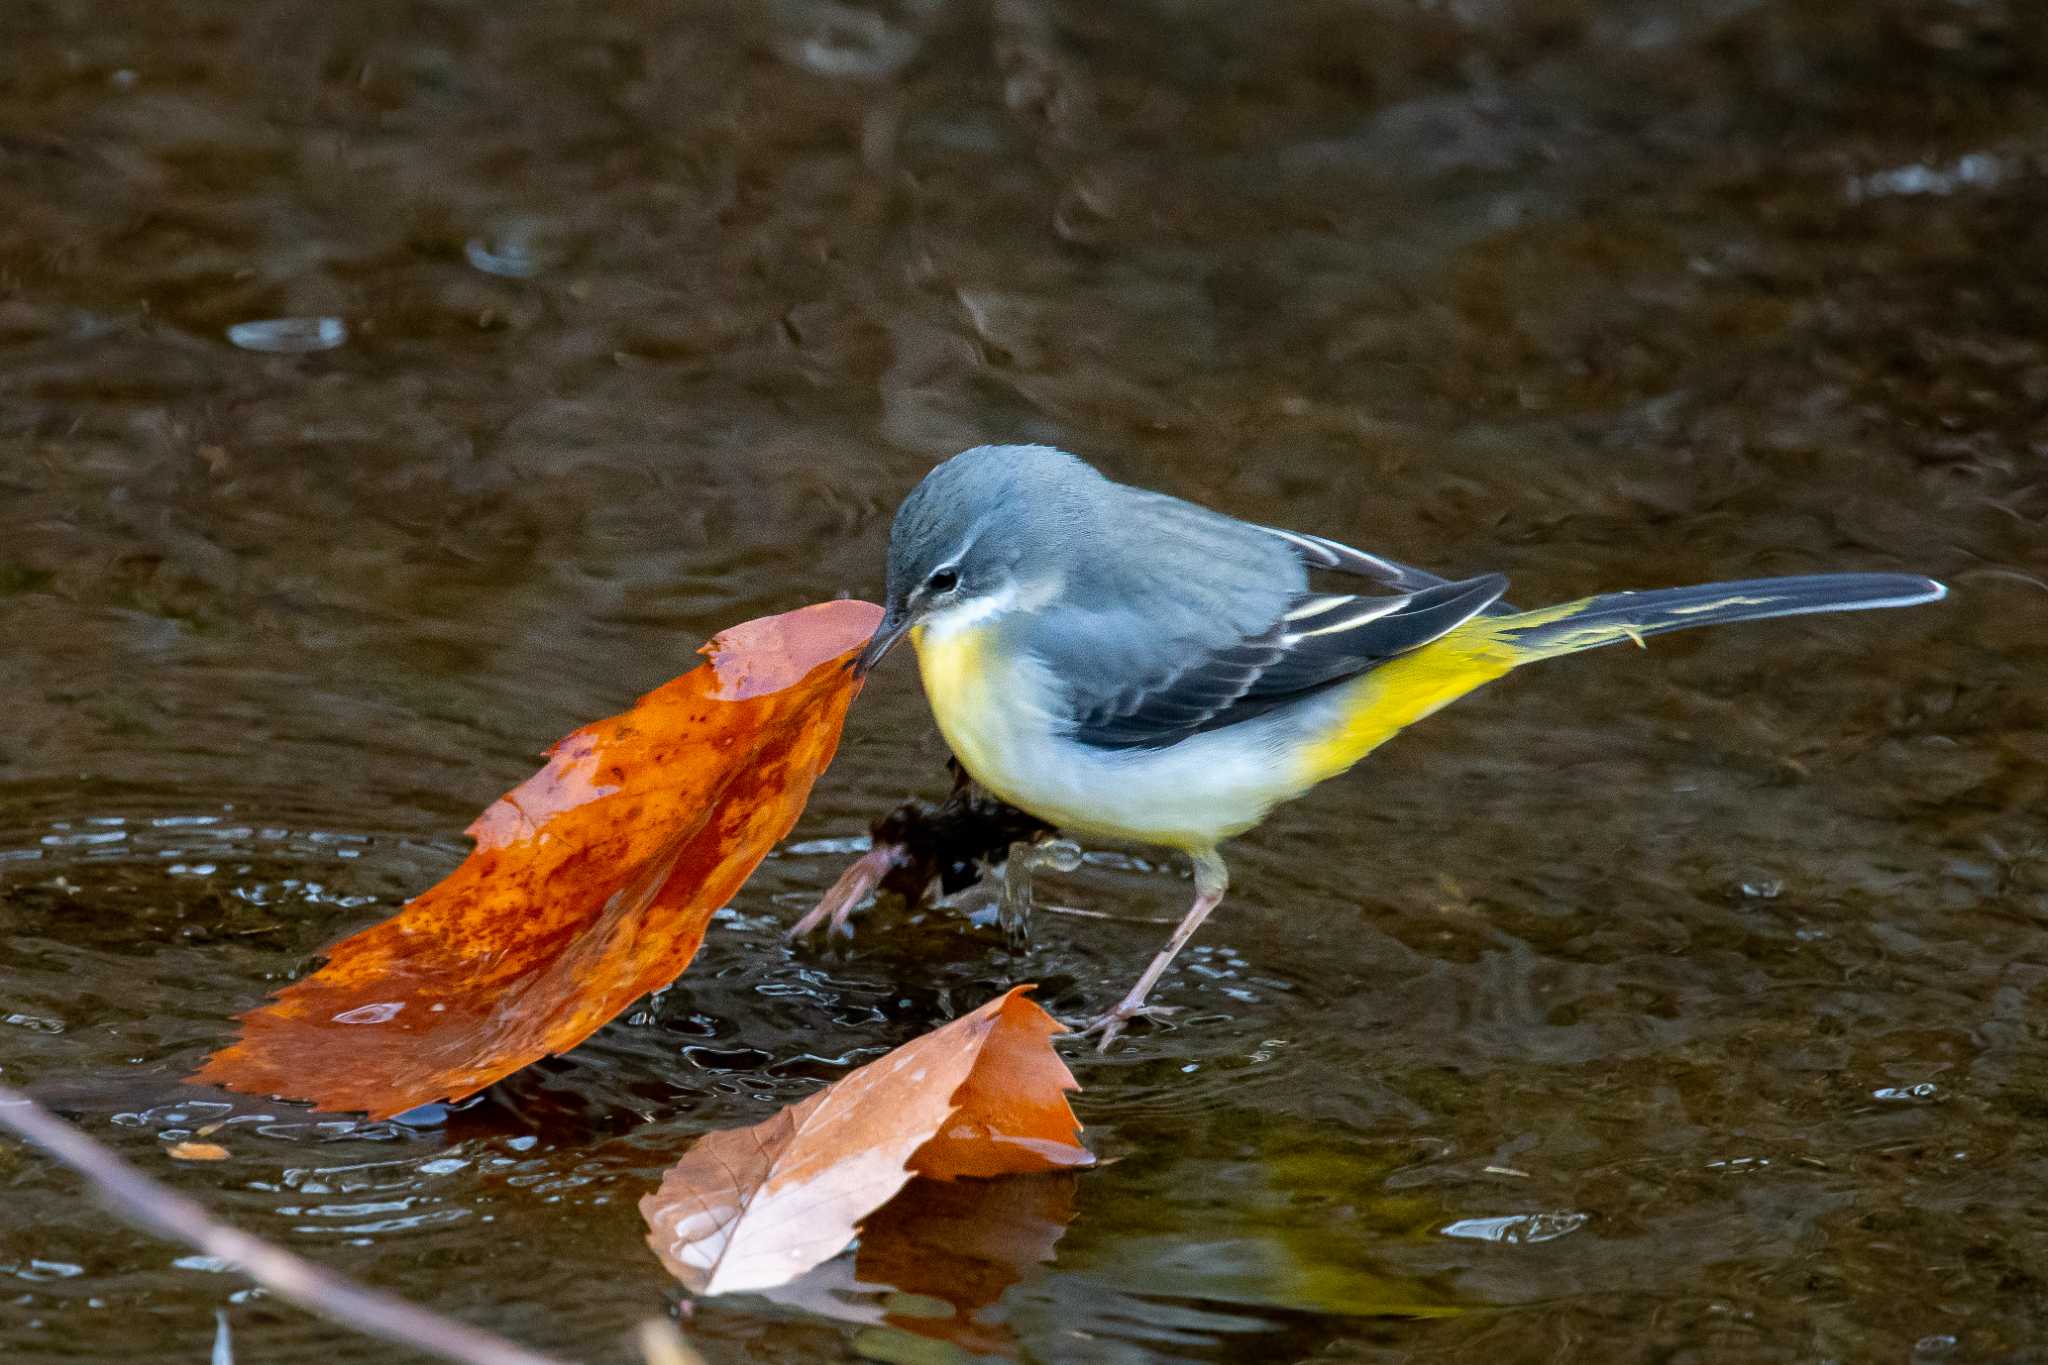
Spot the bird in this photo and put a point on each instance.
(1131, 666)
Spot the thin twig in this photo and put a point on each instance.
(151, 1205)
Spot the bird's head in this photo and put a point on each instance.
(990, 530)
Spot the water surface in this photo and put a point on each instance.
(386, 389)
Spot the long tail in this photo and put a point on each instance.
(1375, 706)
(1616, 616)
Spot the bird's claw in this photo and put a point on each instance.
(837, 907)
(1109, 1025)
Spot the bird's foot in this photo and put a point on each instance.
(1111, 1024)
(853, 886)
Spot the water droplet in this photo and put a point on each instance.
(849, 42)
(1517, 1229)
(289, 336)
(213, 1265)
(513, 254)
(433, 1114)
(381, 1013)
(1060, 855)
(811, 848)
(38, 1271)
(1903, 1094)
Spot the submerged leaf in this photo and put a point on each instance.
(590, 885)
(751, 1208)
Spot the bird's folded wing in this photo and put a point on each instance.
(1320, 552)
(1317, 640)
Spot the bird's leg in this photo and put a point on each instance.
(1013, 912)
(1212, 879)
(855, 883)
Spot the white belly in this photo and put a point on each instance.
(992, 710)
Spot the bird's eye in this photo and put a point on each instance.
(942, 580)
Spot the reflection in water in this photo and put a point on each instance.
(934, 1258)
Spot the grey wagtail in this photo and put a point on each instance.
(1131, 666)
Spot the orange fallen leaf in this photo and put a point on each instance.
(590, 885)
(196, 1151)
(751, 1208)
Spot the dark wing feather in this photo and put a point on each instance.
(1319, 640)
(1320, 552)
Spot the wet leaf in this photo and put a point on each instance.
(591, 884)
(752, 1208)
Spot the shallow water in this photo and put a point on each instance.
(1684, 1006)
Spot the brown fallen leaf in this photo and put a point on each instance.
(590, 885)
(751, 1208)
(196, 1151)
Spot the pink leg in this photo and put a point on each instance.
(837, 906)
(1212, 879)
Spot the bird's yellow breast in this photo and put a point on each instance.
(958, 684)
(989, 709)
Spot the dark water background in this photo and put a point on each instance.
(1680, 1006)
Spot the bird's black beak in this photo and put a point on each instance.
(894, 627)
